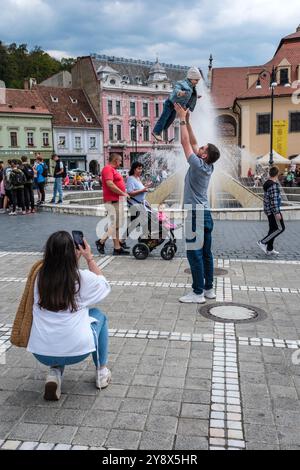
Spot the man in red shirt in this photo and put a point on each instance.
(114, 190)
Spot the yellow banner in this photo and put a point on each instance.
(280, 137)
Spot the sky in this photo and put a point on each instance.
(236, 32)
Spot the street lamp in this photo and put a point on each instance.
(273, 85)
(134, 123)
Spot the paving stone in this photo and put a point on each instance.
(123, 439)
(59, 433)
(135, 405)
(152, 440)
(28, 446)
(193, 396)
(107, 403)
(260, 433)
(11, 413)
(165, 408)
(90, 436)
(130, 421)
(287, 436)
(28, 432)
(69, 417)
(193, 427)
(99, 419)
(40, 415)
(11, 445)
(191, 443)
(166, 394)
(192, 410)
(45, 446)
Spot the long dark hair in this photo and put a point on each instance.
(59, 279)
(134, 166)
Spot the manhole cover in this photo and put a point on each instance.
(217, 272)
(232, 313)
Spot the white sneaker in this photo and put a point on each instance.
(12, 213)
(158, 137)
(210, 294)
(53, 385)
(103, 378)
(273, 252)
(192, 298)
(263, 247)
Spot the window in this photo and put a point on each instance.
(62, 141)
(30, 139)
(145, 110)
(295, 122)
(156, 110)
(92, 142)
(132, 108)
(77, 142)
(13, 139)
(263, 124)
(146, 133)
(112, 81)
(284, 76)
(45, 139)
(118, 108)
(119, 132)
(166, 135)
(176, 134)
(54, 99)
(110, 107)
(111, 132)
(133, 134)
(73, 100)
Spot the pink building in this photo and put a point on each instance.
(131, 94)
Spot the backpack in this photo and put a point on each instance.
(45, 170)
(17, 178)
(28, 172)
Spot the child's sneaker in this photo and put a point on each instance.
(263, 247)
(103, 378)
(53, 385)
(157, 137)
(12, 213)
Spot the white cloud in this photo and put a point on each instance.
(58, 54)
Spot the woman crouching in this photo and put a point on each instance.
(64, 329)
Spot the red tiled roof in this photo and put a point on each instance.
(23, 101)
(228, 84)
(64, 107)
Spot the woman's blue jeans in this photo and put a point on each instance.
(100, 356)
(201, 259)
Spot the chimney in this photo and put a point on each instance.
(298, 29)
(29, 83)
(209, 75)
(26, 84)
(2, 92)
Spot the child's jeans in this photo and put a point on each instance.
(166, 119)
(100, 332)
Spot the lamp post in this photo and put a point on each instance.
(133, 124)
(273, 85)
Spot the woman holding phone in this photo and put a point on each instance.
(65, 330)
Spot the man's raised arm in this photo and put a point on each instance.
(185, 138)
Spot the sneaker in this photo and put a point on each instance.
(157, 137)
(59, 202)
(263, 247)
(121, 252)
(28, 211)
(53, 385)
(273, 252)
(24, 213)
(52, 201)
(2, 211)
(103, 378)
(210, 294)
(124, 246)
(33, 211)
(192, 298)
(12, 213)
(100, 247)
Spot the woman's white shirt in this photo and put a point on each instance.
(66, 333)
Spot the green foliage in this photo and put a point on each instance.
(18, 63)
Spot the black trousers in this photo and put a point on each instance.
(17, 196)
(276, 228)
(28, 195)
(41, 187)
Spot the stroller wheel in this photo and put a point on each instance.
(168, 252)
(140, 251)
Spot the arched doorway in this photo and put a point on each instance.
(94, 167)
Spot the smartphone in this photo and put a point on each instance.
(78, 238)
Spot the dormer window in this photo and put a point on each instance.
(138, 80)
(73, 100)
(54, 99)
(284, 76)
(112, 81)
(88, 119)
(125, 79)
(73, 119)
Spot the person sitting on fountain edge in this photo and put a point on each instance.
(185, 94)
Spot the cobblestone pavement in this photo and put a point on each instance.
(235, 239)
(180, 380)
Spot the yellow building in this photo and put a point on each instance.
(244, 111)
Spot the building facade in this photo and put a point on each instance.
(128, 96)
(244, 110)
(77, 134)
(25, 126)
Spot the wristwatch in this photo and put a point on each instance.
(182, 123)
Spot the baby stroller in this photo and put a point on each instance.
(153, 233)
